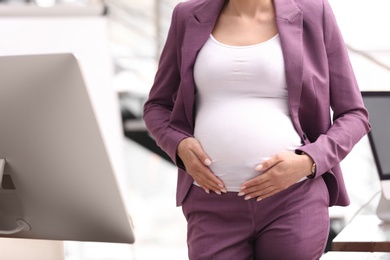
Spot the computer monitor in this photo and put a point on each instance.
(57, 177)
(378, 106)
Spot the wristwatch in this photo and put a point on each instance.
(313, 171)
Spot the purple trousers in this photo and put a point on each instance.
(292, 224)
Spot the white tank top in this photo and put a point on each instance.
(242, 115)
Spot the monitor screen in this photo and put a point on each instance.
(57, 176)
(378, 106)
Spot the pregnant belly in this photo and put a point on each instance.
(239, 137)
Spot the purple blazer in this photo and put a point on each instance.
(319, 78)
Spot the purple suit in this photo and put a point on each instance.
(319, 77)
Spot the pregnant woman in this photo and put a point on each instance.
(256, 103)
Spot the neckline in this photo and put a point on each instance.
(244, 46)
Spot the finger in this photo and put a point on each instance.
(261, 194)
(257, 181)
(256, 190)
(211, 182)
(200, 153)
(267, 195)
(269, 163)
(201, 172)
(207, 180)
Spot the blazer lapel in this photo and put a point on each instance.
(198, 29)
(289, 19)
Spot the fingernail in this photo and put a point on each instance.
(259, 167)
(207, 191)
(207, 162)
(224, 190)
(218, 192)
(220, 185)
(241, 194)
(258, 199)
(247, 197)
(242, 187)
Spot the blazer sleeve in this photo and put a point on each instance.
(350, 117)
(159, 105)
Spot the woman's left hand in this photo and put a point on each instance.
(278, 173)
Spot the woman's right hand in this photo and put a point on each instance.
(196, 162)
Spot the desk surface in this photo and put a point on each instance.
(355, 256)
(364, 233)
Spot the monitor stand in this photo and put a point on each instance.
(10, 203)
(383, 209)
(32, 248)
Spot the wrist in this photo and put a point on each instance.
(313, 167)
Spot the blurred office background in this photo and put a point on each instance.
(135, 32)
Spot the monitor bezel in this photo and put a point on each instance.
(93, 226)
